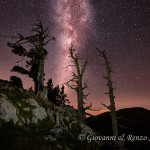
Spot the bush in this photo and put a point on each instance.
(16, 81)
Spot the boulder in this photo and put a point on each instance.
(34, 120)
(56, 131)
(7, 111)
(32, 102)
(26, 109)
(70, 111)
(39, 113)
(50, 113)
(50, 138)
(85, 129)
(28, 121)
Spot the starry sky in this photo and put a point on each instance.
(121, 28)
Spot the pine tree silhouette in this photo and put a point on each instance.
(16, 81)
(55, 95)
(37, 54)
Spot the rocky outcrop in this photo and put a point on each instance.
(85, 129)
(62, 117)
(10, 112)
(7, 111)
(39, 113)
(32, 102)
(52, 122)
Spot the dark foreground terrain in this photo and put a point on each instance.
(132, 122)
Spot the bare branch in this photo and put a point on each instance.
(74, 75)
(85, 86)
(85, 96)
(70, 66)
(20, 60)
(88, 107)
(105, 77)
(83, 68)
(108, 107)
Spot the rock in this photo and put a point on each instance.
(85, 129)
(26, 109)
(34, 120)
(60, 113)
(70, 111)
(20, 124)
(3, 96)
(27, 121)
(50, 113)
(7, 111)
(23, 120)
(56, 131)
(75, 122)
(67, 118)
(19, 104)
(51, 138)
(32, 102)
(39, 113)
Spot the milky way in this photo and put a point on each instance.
(121, 28)
(72, 19)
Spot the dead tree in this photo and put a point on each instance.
(77, 85)
(110, 93)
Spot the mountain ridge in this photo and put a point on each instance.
(133, 121)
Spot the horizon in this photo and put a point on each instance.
(120, 28)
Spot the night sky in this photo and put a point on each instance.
(120, 27)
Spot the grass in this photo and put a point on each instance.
(31, 137)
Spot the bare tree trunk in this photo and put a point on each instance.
(35, 85)
(41, 64)
(112, 102)
(81, 112)
(41, 76)
(78, 87)
(113, 116)
(110, 93)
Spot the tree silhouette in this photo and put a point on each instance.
(55, 95)
(63, 97)
(36, 54)
(16, 81)
(110, 93)
(51, 96)
(78, 83)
